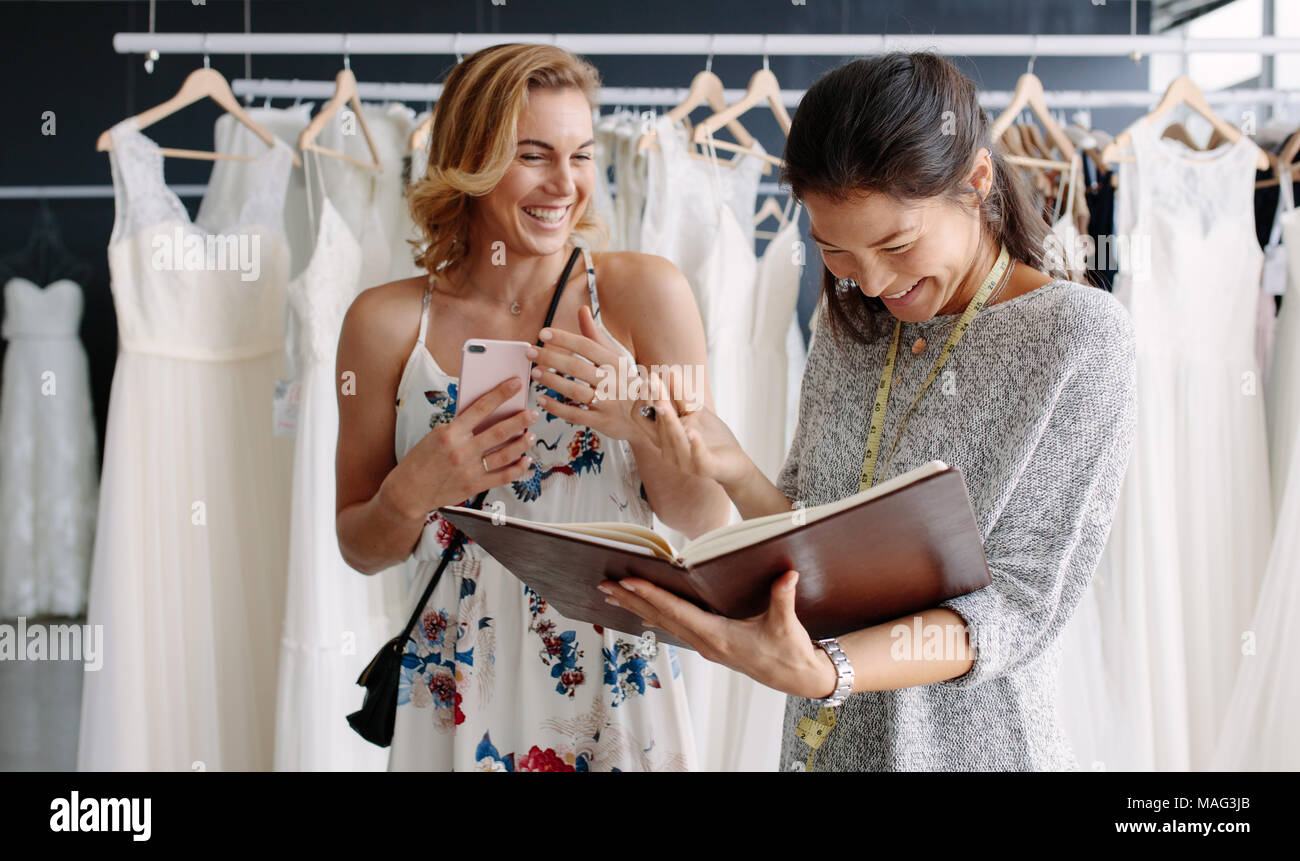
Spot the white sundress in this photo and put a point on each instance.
(494, 679)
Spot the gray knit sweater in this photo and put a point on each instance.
(1037, 406)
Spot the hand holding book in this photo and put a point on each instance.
(772, 648)
(901, 546)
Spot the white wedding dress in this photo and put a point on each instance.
(1282, 403)
(48, 465)
(1259, 726)
(335, 617)
(1259, 730)
(392, 125)
(189, 561)
(617, 135)
(1178, 581)
(776, 352)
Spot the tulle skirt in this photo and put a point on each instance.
(188, 570)
(1153, 653)
(335, 617)
(1260, 727)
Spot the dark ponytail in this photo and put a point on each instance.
(908, 125)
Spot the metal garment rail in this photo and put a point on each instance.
(81, 192)
(648, 96)
(457, 44)
(663, 96)
(701, 44)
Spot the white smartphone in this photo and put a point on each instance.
(484, 365)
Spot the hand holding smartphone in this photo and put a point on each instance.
(484, 365)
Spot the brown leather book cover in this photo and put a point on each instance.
(901, 552)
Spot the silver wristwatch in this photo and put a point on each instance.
(843, 673)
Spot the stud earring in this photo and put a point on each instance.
(844, 285)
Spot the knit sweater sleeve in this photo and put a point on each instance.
(1048, 538)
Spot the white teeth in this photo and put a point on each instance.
(552, 216)
(905, 292)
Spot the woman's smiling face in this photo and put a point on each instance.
(917, 256)
(545, 191)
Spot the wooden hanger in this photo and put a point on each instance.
(345, 93)
(1216, 138)
(1282, 162)
(1034, 142)
(1026, 143)
(705, 89)
(201, 83)
(769, 209)
(1010, 144)
(420, 137)
(1289, 151)
(1181, 91)
(1019, 149)
(1029, 94)
(1040, 154)
(763, 87)
(1178, 132)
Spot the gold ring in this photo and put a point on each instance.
(485, 466)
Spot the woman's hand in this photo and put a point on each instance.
(614, 395)
(697, 442)
(451, 463)
(772, 648)
(607, 389)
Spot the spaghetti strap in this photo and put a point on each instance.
(591, 283)
(424, 313)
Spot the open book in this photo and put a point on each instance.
(896, 548)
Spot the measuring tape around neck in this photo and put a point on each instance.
(886, 377)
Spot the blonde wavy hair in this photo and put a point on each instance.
(473, 141)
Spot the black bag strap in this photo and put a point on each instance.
(458, 538)
(559, 288)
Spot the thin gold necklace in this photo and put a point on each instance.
(516, 305)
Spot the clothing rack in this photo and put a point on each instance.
(609, 96)
(34, 192)
(251, 88)
(765, 45)
(702, 44)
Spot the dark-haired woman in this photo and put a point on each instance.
(928, 241)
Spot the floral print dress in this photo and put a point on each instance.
(493, 678)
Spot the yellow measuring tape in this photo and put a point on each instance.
(815, 732)
(887, 376)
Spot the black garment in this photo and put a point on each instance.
(1100, 196)
(1266, 207)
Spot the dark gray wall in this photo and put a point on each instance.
(59, 57)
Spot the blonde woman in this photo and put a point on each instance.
(493, 677)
